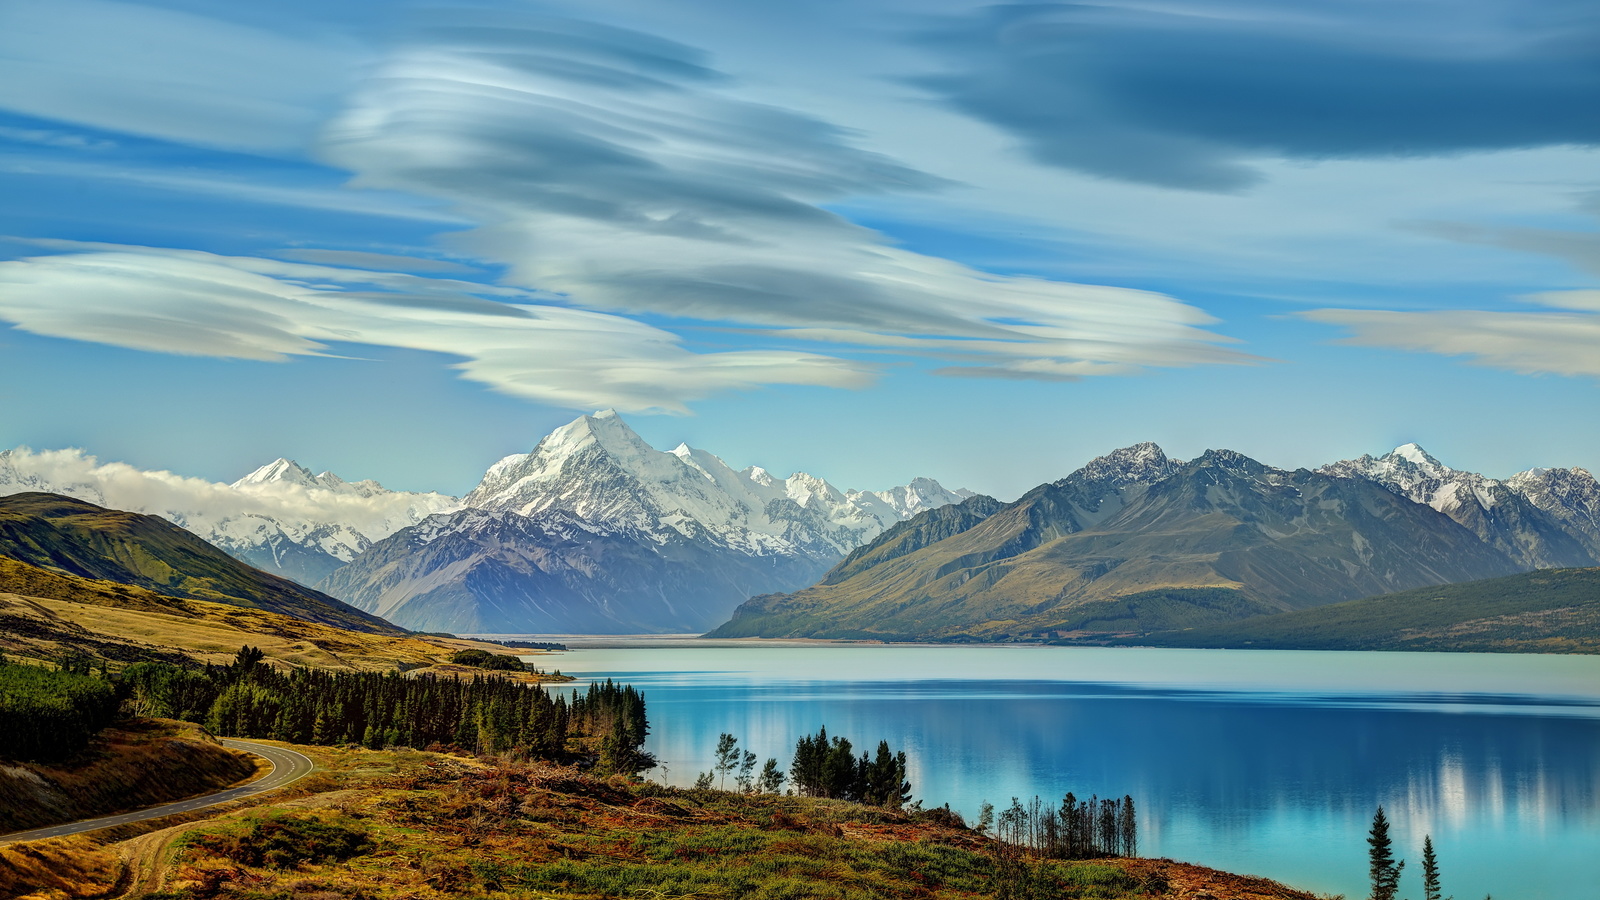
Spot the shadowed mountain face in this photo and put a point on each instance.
(1222, 537)
(479, 572)
(79, 538)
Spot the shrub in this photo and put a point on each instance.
(282, 841)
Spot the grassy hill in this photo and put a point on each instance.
(1547, 611)
(78, 538)
(46, 614)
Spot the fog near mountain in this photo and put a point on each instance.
(280, 518)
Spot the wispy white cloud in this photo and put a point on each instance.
(623, 172)
(195, 303)
(1560, 342)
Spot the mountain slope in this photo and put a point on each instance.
(1546, 611)
(479, 572)
(89, 541)
(596, 531)
(280, 518)
(1276, 540)
(1539, 533)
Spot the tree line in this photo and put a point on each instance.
(48, 715)
(824, 768)
(486, 714)
(1078, 829)
(821, 767)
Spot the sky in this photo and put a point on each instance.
(869, 240)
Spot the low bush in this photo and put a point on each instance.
(283, 841)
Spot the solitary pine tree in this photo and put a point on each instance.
(1430, 871)
(1384, 870)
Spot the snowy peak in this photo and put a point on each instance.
(599, 469)
(605, 430)
(279, 471)
(1143, 463)
(1414, 454)
(1411, 472)
(1537, 517)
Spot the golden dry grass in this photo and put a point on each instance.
(139, 763)
(44, 613)
(57, 869)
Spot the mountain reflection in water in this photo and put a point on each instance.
(1265, 763)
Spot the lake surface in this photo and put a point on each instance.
(1261, 762)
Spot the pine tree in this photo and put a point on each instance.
(727, 758)
(746, 776)
(770, 780)
(1430, 871)
(1383, 868)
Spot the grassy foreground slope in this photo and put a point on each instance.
(46, 614)
(1547, 611)
(425, 826)
(78, 538)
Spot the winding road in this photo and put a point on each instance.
(288, 767)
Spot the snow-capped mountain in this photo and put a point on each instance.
(1570, 496)
(1541, 518)
(600, 470)
(280, 517)
(595, 530)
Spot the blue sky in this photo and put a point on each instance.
(870, 240)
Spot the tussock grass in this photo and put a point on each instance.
(440, 828)
(60, 868)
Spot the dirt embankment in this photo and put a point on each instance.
(138, 763)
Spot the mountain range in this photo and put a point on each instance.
(591, 531)
(1138, 542)
(596, 531)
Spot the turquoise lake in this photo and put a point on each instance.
(1261, 762)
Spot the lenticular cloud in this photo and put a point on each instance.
(202, 304)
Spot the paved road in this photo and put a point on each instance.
(287, 767)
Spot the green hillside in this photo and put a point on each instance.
(1547, 611)
(67, 535)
